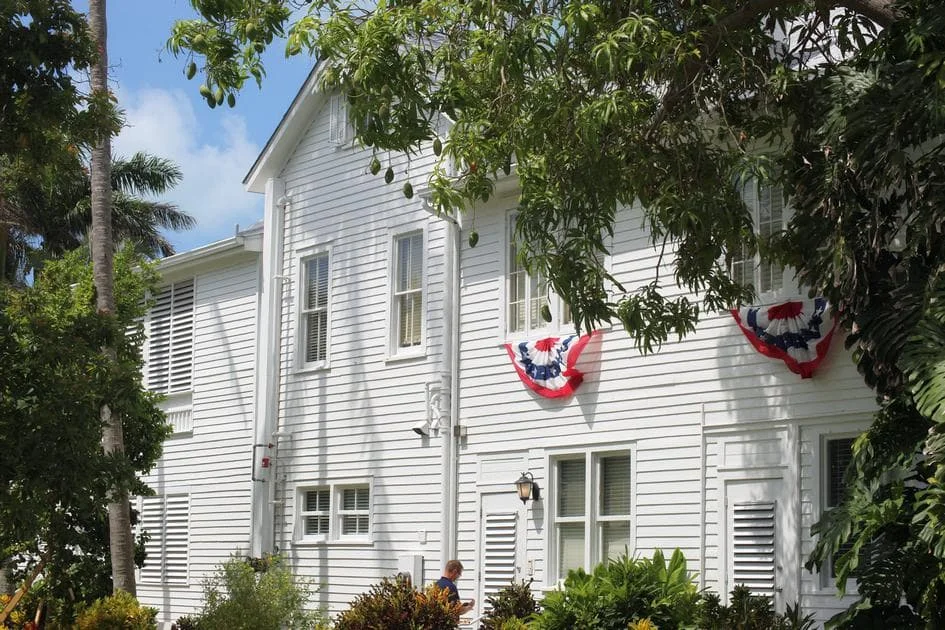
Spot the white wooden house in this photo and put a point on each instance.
(354, 408)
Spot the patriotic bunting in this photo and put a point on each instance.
(547, 365)
(794, 332)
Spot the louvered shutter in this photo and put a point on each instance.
(171, 338)
(498, 570)
(338, 120)
(152, 522)
(166, 519)
(182, 339)
(753, 546)
(159, 340)
(176, 538)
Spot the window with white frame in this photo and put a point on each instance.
(339, 128)
(591, 509)
(769, 213)
(314, 309)
(166, 520)
(334, 513)
(838, 453)
(170, 344)
(527, 294)
(407, 308)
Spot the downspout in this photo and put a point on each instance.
(268, 370)
(448, 433)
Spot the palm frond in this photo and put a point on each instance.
(144, 174)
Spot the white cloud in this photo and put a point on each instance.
(213, 155)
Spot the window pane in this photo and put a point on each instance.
(354, 525)
(571, 487)
(316, 501)
(355, 499)
(614, 539)
(538, 291)
(570, 547)
(410, 312)
(316, 336)
(316, 525)
(615, 485)
(316, 274)
(409, 262)
(839, 454)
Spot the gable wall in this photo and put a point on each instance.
(352, 421)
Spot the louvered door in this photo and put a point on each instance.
(500, 544)
(754, 535)
(761, 540)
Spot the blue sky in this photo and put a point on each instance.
(167, 117)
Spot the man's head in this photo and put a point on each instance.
(453, 569)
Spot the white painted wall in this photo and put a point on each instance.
(212, 463)
(351, 422)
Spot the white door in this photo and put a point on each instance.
(761, 540)
(501, 543)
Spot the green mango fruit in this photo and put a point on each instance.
(205, 91)
(191, 70)
(375, 166)
(389, 175)
(546, 312)
(231, 99)
(473, 238)
(408, 190)
(437, 147)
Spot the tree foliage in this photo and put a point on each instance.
(54, 475)
(674, 106)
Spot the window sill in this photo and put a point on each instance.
(312, 368)
(358, 542)
(411, 355)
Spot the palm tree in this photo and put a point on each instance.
(51, 214)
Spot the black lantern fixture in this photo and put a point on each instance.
(527, 488)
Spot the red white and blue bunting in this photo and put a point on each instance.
(797, 332)
(547, 365)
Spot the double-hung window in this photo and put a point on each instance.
(838, 453)
(591, 509)
(528, 294)
(170, 345)
(166, 521)
(407, 308)
(316, 284)
(334, 512)
(769, 213)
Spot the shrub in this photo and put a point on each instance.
(243, 595)
(623, 591)
(120, 611)
(187, 622)
(395, 604)
(515, 601)
(748, 612)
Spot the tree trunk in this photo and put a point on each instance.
(121, 541)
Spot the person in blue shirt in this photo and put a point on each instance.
(452, 572)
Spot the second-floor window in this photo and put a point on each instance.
(408, 292)
(766, 204)
(314, 311)
(170, 346)
(528, 297)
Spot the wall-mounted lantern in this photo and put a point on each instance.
(527, 488)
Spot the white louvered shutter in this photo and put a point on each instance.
(498, 570)
(171, 338)
(338, 121)
(152, 522)
(182, 339)
(753, 546)
(176, 538)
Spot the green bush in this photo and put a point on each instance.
(395, 604)
(623, 591)
(255, 595)
(748, 612)
(515, 601)
(121, 611)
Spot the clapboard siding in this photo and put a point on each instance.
(661, 404)
(351, 422)
(212, 464)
